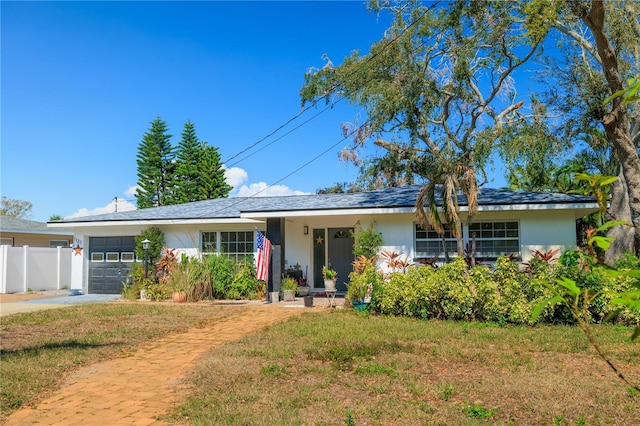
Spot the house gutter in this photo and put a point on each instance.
(147, 222)
(589, 207)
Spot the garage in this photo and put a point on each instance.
(110, 261)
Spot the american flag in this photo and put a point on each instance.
(264, 254)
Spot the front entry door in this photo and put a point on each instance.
(340, 254)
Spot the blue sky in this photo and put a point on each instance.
(81, 82)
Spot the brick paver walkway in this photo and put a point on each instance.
(139, 388)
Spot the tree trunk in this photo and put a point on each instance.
(619, 209)
(616, 122)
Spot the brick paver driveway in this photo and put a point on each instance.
(136, 390)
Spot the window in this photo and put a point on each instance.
(6, 241)
(209, 243)
(495, 239)
(97, 257)
(235, 244)
(113, 256)
(127, 256)
(428, 243)
(58, 243)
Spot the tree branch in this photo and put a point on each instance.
(583, 42)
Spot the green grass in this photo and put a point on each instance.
(342, 368)
(39, 347)
(334, 367)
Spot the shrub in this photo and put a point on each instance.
(367, 241)
(245, 285)
(361, 280)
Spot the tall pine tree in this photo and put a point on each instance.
(187, 176)
(155, 164)
(212, 180)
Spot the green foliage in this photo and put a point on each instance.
(503, 295)
(329, 274)
(190, 172)
(590, 289)
(156, 238)
(288, 283)
(478, 412)
(630, 94)
(15, 208)
(362, 282)
(154, 161)
(349, 419)
(156, 290)
(245, 285)
(367, 241)
(215, 277)
(212, 181)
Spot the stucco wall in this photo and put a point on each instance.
(539, 229)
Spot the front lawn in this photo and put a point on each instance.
(339, 367)
(39, 348)
(343, 368)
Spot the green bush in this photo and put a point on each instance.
(245, 285)
(505, 295)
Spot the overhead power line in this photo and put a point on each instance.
(330, 90)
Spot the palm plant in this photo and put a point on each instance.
(447, 179)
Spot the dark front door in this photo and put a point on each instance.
(110, 261)
(340, 254)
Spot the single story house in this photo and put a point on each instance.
(315, 230)
(15, 232)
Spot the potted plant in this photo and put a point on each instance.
(288, 285)
(330, 276)
(176, 278)
(362, 280)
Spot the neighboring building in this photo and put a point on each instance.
(315, 230)
(16, 232)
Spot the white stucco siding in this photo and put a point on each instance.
(538, 229)
(545, 230)
(397, 233)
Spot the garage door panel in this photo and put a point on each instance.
(107, 277)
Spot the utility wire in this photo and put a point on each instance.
(335, 86)
(330, 90)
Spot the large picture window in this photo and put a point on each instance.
(495, 239)
(430, 244)
(235, 244)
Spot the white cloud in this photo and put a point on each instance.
(261, 189)
(235, 176)
(131, 191)
(123, 206)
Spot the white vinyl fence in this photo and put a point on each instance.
(34, 268)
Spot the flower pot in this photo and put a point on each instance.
(308, 301)
(304, 290)
(359, 305)
(179, 296)
(289, 295)
(275, 296)
(329, 285)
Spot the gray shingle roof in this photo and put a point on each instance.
(14, 224)
(401, 197)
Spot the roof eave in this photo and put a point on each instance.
(149, 222)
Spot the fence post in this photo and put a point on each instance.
(58, 266)
(25, 267)
(4, 265)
